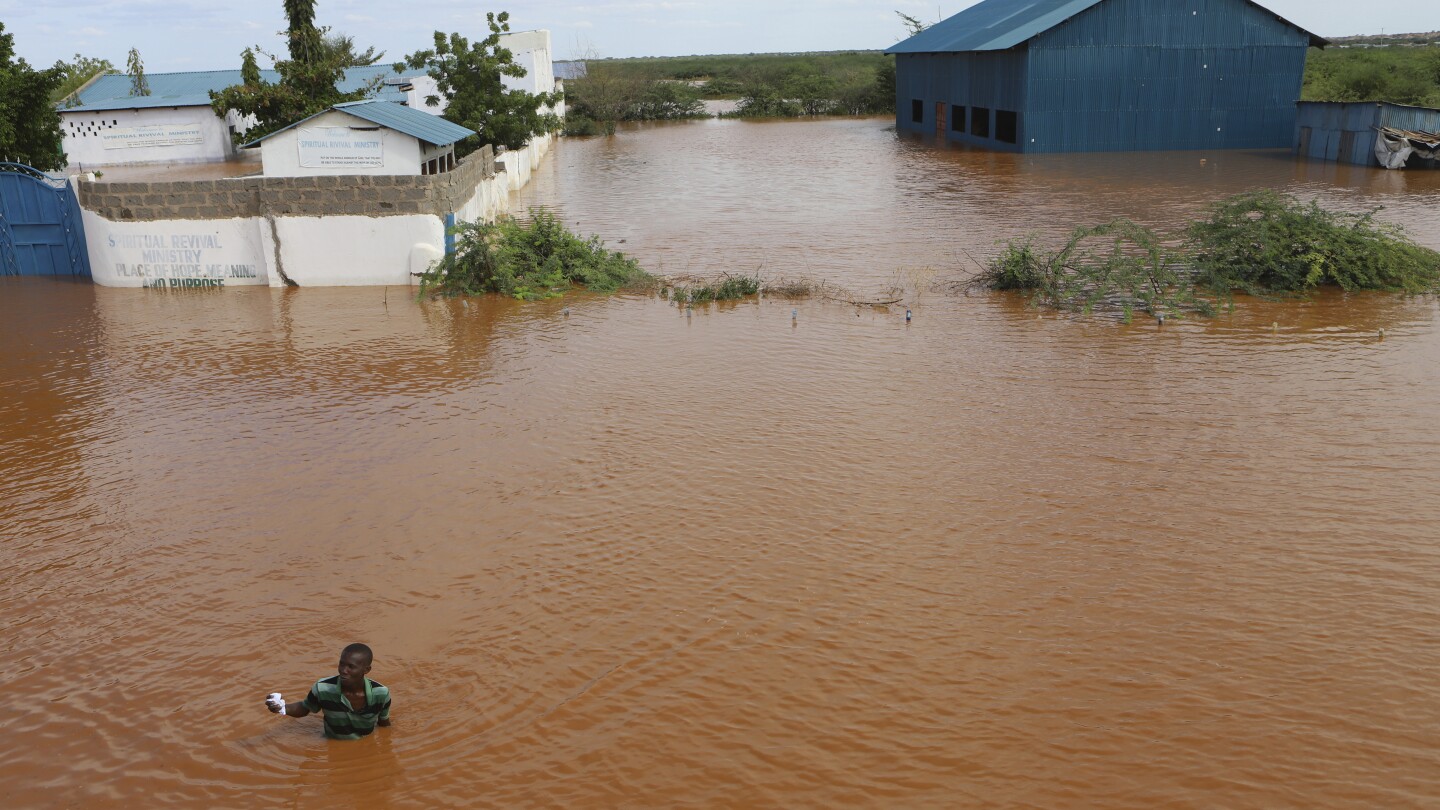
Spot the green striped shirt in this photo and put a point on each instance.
(342, 721)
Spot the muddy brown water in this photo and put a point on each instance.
(627, 557)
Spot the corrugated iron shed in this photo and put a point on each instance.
(1345, 132)
(431, 129)
(1105, 75)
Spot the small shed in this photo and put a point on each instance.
(1368, 133)
(1105, 76)
(362, 137)
(106, 124)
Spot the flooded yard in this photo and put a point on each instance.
(618, 556)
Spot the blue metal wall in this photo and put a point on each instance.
(1129, 75)
(992, 80)
(1345, 131)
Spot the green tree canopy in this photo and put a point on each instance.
(77, 72)
(307, 83)
(470, 77)
(29, 122)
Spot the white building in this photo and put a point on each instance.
(105, 124)
(362, 137)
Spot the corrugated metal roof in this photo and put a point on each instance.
(575, 69)
(192, 89)
(997, 25)
(429, 128)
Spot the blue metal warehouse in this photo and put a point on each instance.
(1105, 76)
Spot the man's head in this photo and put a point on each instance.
(355, 664)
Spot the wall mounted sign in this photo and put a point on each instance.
(152, 135)
(341, 148)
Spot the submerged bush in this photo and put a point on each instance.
(729, 288)
(528, 260)
(1260, 243)
(1267, 242)
(1119, 263)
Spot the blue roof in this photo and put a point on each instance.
(112, 92)
(573, 69)
(429, 128)
(997, 25)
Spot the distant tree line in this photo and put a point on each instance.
(763, 85)
(1400, 74)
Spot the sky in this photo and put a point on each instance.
(178, 35)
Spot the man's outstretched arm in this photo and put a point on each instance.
(296, 709)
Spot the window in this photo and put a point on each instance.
(1007, 126)
(917, 111)
(957, 118)
(980, 122)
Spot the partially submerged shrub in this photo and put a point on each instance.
(528, 260)
(726, 288)
(1261, 243)
(1018, 267)
(1267, 242)
(1119, 263)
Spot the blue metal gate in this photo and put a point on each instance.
(40, 229)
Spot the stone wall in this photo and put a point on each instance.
(241, 197)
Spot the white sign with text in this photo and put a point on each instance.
(152, 135)
(341, 148)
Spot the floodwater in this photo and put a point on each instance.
(626, 557)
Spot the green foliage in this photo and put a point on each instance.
(728, 288)
(529, 261)
(668, 101)
(1020, 266)
(470, 77)
(341, 48)
(1267, 242)
(845, 82)
(1261, 243)
(605, 96)
(1120, 263)
(139, 86)
(307, 79)
(29, 122)
(1399, 74)
(76, 73)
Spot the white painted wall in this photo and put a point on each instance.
(421, 87)
(532, 52)
(176, 253)
(85, 142)
(352, 251)
(280, 153)
(520, 163)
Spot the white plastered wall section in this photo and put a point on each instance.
(280, 153)
(176, 253)
(353, 251)
(85, 140)
(339, 251)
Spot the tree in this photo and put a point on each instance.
(29, 122)
(470, 76)
(341, 48)
(913, 25)
(307, 79)
(76, 73)
(138, 85)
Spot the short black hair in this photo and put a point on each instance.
(360, 648)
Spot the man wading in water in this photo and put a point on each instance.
(353, 704)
